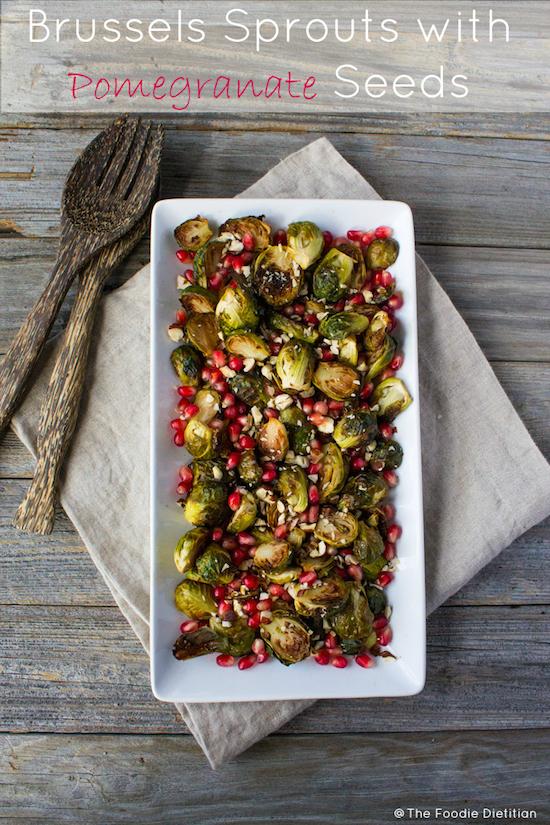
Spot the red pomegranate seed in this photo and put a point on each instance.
(307, 406)
(389, 551)
(254, 620)
(355, 571)
(322, 657)
(218, 357)
(189, 276)
(386, 279)
(339, 306)
(270, 412)
(311, 319)
(389, 511)
(176, 423)
(229, 543)
(181, 317)
(327, 355)
(397, 362)
(187, 392)
(258, 646)
(340, 572)
(279, 237)
(182, 255)
(179, 439)
(217, 534)
(357, 300)
(233, 460)
(248, 242)
(299, 309)
(379, 623)
(313, 514)
(365, 660)
(206, 374)
(366, 391)
(384, 578)
(191, 410)
(383, 232)
(186, 473)
(308, 578)
(386, 430)
(182, 490)
(269, 475)
(234, 500)
(216, 280)
(281, 531)
(390, 477)
(234, 430)
(395, 301)
(321, 407)
(358, 463)
(251, 581)
(264, 604)
(275, 347)
(231, 412)
(247, 442)
(219, 592)
(235, 363)
(393, 533)
(328, 238)
(224, 608)
(367, 238)
(313, 494)
(238, 556)
(330, 640)
(246, 539)
(216, 424)
(354, 234)
(313, 469)
(225, 660)
(385, 636)
(243, 420)
(247, 661)
(189, 626)
(262, 657)
(339, 661)
(277, 590)
(220, 386)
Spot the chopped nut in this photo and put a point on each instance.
(175, 332)
(248, 364)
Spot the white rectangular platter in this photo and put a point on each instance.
(201, 680)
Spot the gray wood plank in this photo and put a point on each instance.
(436, 175)
(349, 780)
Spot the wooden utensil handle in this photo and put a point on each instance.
(25, 348)
(59, 413)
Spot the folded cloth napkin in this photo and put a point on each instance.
(485, 481)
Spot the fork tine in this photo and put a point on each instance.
(115, 165)
(140, 141)
(96, 155)
(146, 177)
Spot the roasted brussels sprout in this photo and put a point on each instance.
(213, 566)
(355, 428)
(349, 351)
(287, 637)
(377, 599)
(293, 487)
(257, 228)
(202, 332)
(189, 547)
(306, 241)
(236, 640)
(363, 491)
(209, 403)
(382, 253)
(272, 556)
(390, 453)
(301, 437)
(277, 275)
(197, 299)
(381, 358)
(353, 622)
(333, 472)
(236, 310)
(380, 325)
(247, 344)
(187, 365)
(206, 505)
(206, 261)
(343, 324)
(245, 516)
(332, 276)
(200, 439)
(207, 470)
(359, 269)
(249, 470)
(368, 548)
(392, 397)
(192, 234)
(326, 594)
(273, 439)
(336, 380)
(249, 388)
(292, 328)
(196, 599)
(336, 528)
(295, 366)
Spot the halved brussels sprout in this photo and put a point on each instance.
(202, 332)
(353, 622)
(296, 537)
(369, 550)
(197, 299)
(301, 437)
(195, 599)
(349, 351)
(333, 471)
(306, 241)
(206, 261)
(363, 491)
(293, 416)
(245, 516)
(359, 269)
(293, 328)
(273, 439)
(382, 253)
(294, 366)
(192, 234)
(277, 275)
(206, 505)
(381, 358)
(377, 599)
(336, 380)
(343, 324)
(333, 275)
(355, 428)
(236, 310)
(200, 439)
(392, 397)
(188, 548)
(236, 639)
(187, 364)
(287, 637)
(326, 594)
(272, 556)
(247, 344)
(209, 403)
(390, 452)
(208, 470)
(380, 325)
(293, 487)
(214, 566)
(249, 388)
(336, 528)
(256, 227)
(249, 470)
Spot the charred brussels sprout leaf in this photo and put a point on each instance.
(256, 227)
(189, 547)
(209, 470)
(349, 351)
(293, 487)
(336, 528)
(277, 275)
(249, 470)
(273, 439)
(214, 566)
(380, 326)
(287, 637)
(192, 234)
(377, 600)
(306, 241)
(364, 492)
(197, 299)
(245, 516)
(359, 269)
(300, 432)
(333, 275)
(336, 380)
(248, 345)
(295, 366)
(206, 261)
(272, 556)
(343, 324)
(289, 574)
(354, 621)
(235, 640)
(381, 358)
(326, 594)
(390, 452)
(355, 428)
(206, 505)
(202, 332)
(392, 397)
(368, 548)
(382, 253)
(187, 365)
(333, 472)
(249, 388)
(196, 599)
(292, 328)
(236, 310)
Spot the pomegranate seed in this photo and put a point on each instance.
(281, 531)
(225, 660)
(220, 386)
(275, 347)
(328, 238)
(216, 424)
(269, 412)
(389, 551)
(313, 494)
(189, 276)
(231, 412)
(277, 590)
(181, 317)
(217, 534)
(247, 442)
(339, 305)
(264, 604)
(236, 363)
(379, 623)
(262, 657)
(219, 592)
(234, 430)
(238, 556)
(224, 608)
(182, 255)
(258, 646)
(191, 410)
(218, 357)
(254, 620)
(385, 636)
(389, 511)
(317, 418)
(187, 392)
(365, 660)
(216, 280)
(251, 581)
(357, 300)
(322, 657)
(176, 423)
(367, 238)
(233, 460)
(269, 475)
(307, 406)
(182, 490)
(386, 430)
(321, 407)
(383, 232)
(397, 362)
(358, 463)
(189, 626)
(248, 242)
(247, 661)
(234, 500)
(367, 390)
(313, 514)
(339, 661)
(242, 420)
(246, 539)
(313, 469)
(390, 477)
(311, 319)
(327, 355)
(340, 572)
(206, 374)
(308, 578)
(330, 640)
(280, 237)
(384, 279)
(299, 309)
(393, 533)
(354, 234)
(230, 543)
(395, 301)
(186, 473)
(384, 578)
(355, 571)
(179, 439)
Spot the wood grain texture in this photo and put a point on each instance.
(345, 779)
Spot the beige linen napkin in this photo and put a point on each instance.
(485, 481)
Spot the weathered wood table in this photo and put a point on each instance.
(83, 738)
